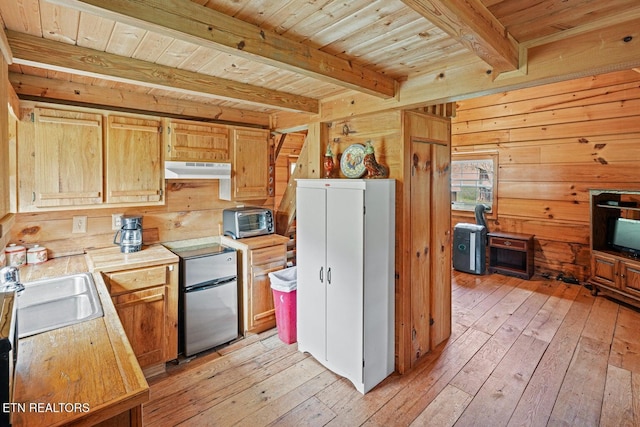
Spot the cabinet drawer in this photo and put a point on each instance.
(516, 245)
(272, 254)
(130, 280)
(146, 296)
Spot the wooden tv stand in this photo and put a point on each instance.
(511, 254)
(614, 273)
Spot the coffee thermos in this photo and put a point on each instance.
(130, 234)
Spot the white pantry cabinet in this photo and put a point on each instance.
(345, 260)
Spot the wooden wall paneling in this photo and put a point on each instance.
(580, 89)
(488, 137)
(583, 129)
(544, 209)
(591, 172)
(613, 103)
(555, 142)
(610, 110)
(382, 129)
(574, 192)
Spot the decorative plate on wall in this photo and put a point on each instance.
(352, 161)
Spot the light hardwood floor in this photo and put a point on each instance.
(522, 353)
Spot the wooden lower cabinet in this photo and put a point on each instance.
(263, 261)
(142, 316)
(617, 274)
(257, 257)
(146, 300)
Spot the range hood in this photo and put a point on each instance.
(196, 170)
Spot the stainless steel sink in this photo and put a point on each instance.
(50, 304)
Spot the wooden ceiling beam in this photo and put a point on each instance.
(471, 23)
(39, 52)
(188, 21)
(577, 56)
(49, 90)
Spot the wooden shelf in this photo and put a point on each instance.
(629, 208)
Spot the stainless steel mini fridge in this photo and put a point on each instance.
(209, 298)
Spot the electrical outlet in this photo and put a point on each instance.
(116, 221)
(79, 224)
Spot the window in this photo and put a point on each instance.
(473, 181)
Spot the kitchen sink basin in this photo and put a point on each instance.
(50, 304)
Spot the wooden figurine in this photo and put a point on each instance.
(374, 169)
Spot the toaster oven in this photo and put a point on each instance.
(247, 221)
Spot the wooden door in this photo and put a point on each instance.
(68, 158)
(250, 164)
(441, 242)
(261, 307)
(420, 248)
(134, 162)
(197, 141)
(345, 281)
(604, 270)
(630, 278)
(312, 271)
(142, 314)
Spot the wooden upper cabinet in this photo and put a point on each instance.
(197, 141)
(250, 163)
(68, 158)
(134, 161)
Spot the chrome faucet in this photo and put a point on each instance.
(10, 280)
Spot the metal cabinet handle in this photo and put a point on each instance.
(329, 275)
(321, 274)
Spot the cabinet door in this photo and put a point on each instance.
(135, 168)
(345, 280)
(68, 158)
(197, 141)
(250, 163)
(630, 278)
(604, 270)
(263, 262)
(312, 272)
(142, 314)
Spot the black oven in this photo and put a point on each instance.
(8, 352)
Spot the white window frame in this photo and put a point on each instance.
(490, 182)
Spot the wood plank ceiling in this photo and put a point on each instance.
(250, 58)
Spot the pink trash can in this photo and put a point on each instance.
(283, 286)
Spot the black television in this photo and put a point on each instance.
(624, 235)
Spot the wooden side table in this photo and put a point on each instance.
(511, 254)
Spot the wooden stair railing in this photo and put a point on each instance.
(286, 213)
